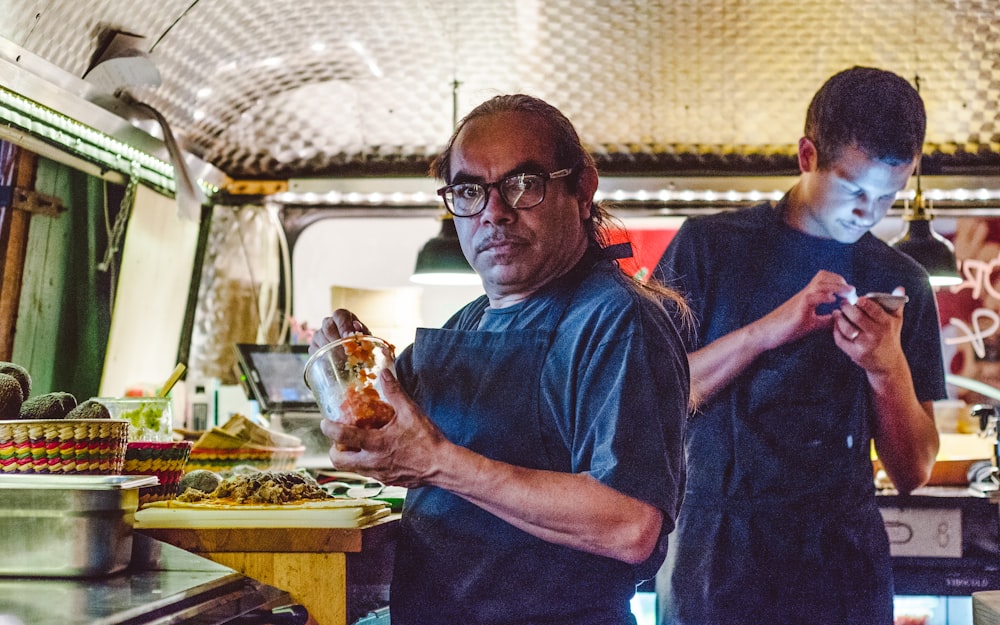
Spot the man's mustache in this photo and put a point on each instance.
(498, 236)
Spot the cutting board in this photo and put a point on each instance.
(336, 513)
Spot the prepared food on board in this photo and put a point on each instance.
(261, 487)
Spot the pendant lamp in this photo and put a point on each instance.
(919, 241)
(441, 261)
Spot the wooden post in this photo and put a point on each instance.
(6, 205)
(17, 170)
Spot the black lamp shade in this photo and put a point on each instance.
(441, 261)
(937, 255)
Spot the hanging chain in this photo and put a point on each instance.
(121, 219)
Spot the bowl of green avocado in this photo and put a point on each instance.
(150, 418)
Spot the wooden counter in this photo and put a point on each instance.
(339, 575)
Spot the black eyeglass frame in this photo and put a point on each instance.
(545, 177)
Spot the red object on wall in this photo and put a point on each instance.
(647, 248)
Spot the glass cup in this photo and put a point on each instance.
(344, 378)
(150, 418)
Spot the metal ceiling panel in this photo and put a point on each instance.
(309, 88)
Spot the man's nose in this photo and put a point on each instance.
(496, 208)
(865, 208)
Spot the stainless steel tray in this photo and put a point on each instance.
(48, 481)
(67, 525)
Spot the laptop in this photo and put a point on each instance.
(272, 376)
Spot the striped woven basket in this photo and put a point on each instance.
(79, 446)
(165, 460)
(265, 458)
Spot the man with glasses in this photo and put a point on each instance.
(539, 431)
(795, 376)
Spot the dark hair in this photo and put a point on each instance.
(569, 152)
(877, 111)
(568, 148)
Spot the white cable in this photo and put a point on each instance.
(973, 385)
(266, 299)
(286, 267)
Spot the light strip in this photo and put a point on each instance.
(658, 196)
(88, 143)
(356, 198)
(961, 195)
(641, 196)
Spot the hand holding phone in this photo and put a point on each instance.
(888, 301)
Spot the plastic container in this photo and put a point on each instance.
(344, 378)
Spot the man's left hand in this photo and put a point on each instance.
(869, 334)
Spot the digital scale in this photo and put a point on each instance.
(273, 376)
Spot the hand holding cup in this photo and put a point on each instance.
(343, 376)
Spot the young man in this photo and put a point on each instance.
(540, 431)
(794, 376)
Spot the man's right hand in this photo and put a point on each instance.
(404, 452)
(797, 317)
(338, 325)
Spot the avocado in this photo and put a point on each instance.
(20, 374)
(55, 405)
(200, 479)
(89, 409)
(10, 398)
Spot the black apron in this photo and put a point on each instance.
(783, 526)
(456, 563)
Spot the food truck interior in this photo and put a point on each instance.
(195, 175)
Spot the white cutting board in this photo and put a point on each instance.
(338, 513)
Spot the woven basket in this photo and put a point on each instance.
(264, 458)
(79, 446)
(164, 460)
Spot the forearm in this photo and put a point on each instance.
(573, 510)
(906, 438)
(715, 366)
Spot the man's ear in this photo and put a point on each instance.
(586, 187)
(808, 156)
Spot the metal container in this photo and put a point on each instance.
(67, 525)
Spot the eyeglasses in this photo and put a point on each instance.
(467, 199)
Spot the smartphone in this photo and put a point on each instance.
(888, 301)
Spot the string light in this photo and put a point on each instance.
(88, 143)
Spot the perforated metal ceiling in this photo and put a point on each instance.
(303, 88)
